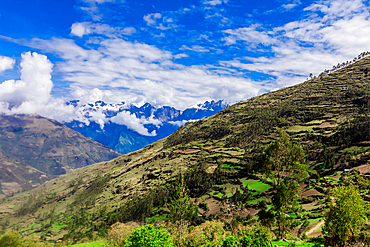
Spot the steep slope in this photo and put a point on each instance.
(329, 116)
(34, 149)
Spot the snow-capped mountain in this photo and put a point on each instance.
(127, 128)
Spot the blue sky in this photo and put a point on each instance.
(177, 53)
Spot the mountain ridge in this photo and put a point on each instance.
(34, 149)
(158, 122)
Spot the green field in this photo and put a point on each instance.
(93, 244)
(256, 185)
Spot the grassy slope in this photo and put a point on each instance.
(328, 116)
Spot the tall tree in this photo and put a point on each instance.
(346, 216)
(181, 209)
(285, 203)
(283, 159)
(283, 163)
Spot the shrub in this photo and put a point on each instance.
(246, 240)
(209, 233)
(119, 233)
(291, 244)
(148, 236)
(11, 239)
(230, 241)
(261, 237)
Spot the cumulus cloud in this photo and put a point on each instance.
(35, 84)
(119, 70)
(6, 63)
(32, 93)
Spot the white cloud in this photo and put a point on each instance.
(120, 70)
(134, 123)
(151, 19)
(180, 55)
(196, 48)
(158, 21)
(93, 10)
(251, 35)
(6, 63)
(289, 6)
(35, 84)
(214, 2)
(182, 122)
(332, 31)
(84, 28)
(32, 93)
(97, 1)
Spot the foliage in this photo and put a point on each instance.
(119, 233)
(13, 239)
(207, 234)
(230, 241)
(149, 236)
(292, 244)
(283, 164)
(181, 209)
(283, 159)
(346, 216)
(246, 240)
(285, 202)
(261, 237)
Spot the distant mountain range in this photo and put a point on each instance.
(34, 149)
(126, 128)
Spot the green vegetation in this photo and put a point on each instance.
(148, 236)
(246, 177)
(346, 216)
(93, 244)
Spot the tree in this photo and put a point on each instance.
(346, 216)
(181, 209)
(282, 159)
(285, 202)
(148, 236)
(283, 163)
(11, 239)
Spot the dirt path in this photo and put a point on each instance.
(315, 228)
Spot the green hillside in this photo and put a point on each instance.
(220, 157)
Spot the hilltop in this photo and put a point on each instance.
(328, 116)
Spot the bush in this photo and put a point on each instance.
(148, 236)
(119, 233)
(246, 240)
(230, 241)
(291, 244)
(11, 239)
(209, 233)
(261, 237)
